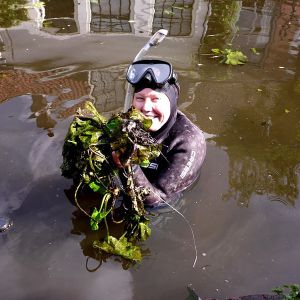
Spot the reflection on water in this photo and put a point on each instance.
(175, 16)
(263, 153)
(110, 16)
(12, 12)
(58, 95)
(261, 145)
(40, 111)
(251, 114)
(221, 27)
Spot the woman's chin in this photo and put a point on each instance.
(156, 125)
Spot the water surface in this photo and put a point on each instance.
(244, 208)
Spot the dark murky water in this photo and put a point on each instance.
(244, 209)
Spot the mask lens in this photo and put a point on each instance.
(159, 71)
(136, 72)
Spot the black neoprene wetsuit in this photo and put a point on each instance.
(178, 166)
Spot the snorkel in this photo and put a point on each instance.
(155, 40)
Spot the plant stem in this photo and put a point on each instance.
(76, 200)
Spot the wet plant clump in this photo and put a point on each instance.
(288, 291)
(89, 149)
(229, 56)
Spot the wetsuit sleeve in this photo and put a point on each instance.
(184, 162)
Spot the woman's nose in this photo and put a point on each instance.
(147, 106)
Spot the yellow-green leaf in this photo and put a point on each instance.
(121, 247)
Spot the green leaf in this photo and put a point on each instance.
(114, 126)
(143, 155)
(235, 58)
(94, 186)
(147, 123)
(136, 115)
(145, 231)
(94, 225)
(277, 291)
(254, 51)
(97, 188)
(97, 216)
(216, 51)
(121, 247)
(145, 163)
(230, 57)
(89, 111)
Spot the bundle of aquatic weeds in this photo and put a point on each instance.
(230, 56)
(87, 159)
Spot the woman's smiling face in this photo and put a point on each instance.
(154, 105)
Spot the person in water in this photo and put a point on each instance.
(156, 92)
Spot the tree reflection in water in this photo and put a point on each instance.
(12, 12)
(264, 156)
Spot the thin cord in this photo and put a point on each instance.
(188, 223)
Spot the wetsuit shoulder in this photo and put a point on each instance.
(186, 133)
(179, 165)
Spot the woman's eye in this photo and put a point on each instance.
(155, 99)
